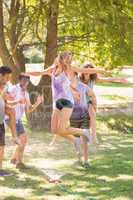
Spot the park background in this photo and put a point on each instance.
(32, 32)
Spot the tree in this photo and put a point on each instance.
(15, 18)
(100, 31)
(96, 30)
(44, 113)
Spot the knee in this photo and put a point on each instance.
(1, 149)
(10, 112)
(62, 131)
(54, 130)
(23, 140)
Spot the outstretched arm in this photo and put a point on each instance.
(112, 79)
(89, 70)
(47, 71)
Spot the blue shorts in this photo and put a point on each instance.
(63, 103)
(19, 127)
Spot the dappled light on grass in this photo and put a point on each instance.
(20, 192)
(119, 177)
(115, 97)
(109, 177)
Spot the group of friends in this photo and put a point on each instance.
(74, 106)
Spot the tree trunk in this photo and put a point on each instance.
(51, 40)
(5, 55)
(42, 117)
(19, 59)
(14, 34)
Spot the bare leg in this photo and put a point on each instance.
(55, 124)
(92, 115)
(1, 155)
(85, 150)
(18, 155)
(12, 121)
(64, 128)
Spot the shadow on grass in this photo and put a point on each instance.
(120, 123)
(23, 179)
(15, 182)
(32, 171)
(13, 198)
(110, 175)
(115, 85)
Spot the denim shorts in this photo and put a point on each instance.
(19, 127)
(63, 103)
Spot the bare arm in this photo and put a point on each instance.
(88, 70)
(112, 79)
(31, 108)
(93, 96)
(47, 71)
(11, 101)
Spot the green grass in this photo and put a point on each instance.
(110, 176)
(115, 97)
(111, 93)
(115, 85)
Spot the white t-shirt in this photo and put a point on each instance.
(18, 93)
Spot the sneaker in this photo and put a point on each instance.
(86, 165)
(21, 166)
(4, 173)
(13, 161)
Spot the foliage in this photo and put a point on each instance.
(96, 30)
(100, 31)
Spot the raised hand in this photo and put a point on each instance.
(16, 140)
(40, 99)
(22, 101)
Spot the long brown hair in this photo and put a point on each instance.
(60, 59)
(93, 77)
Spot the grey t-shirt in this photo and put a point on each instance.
(90, 85)
(80, 109)
(2, 110)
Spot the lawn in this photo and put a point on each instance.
(110, 176)
(114, 93)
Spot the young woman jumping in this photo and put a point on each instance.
(61, 73)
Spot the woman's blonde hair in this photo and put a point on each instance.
(60, 59)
